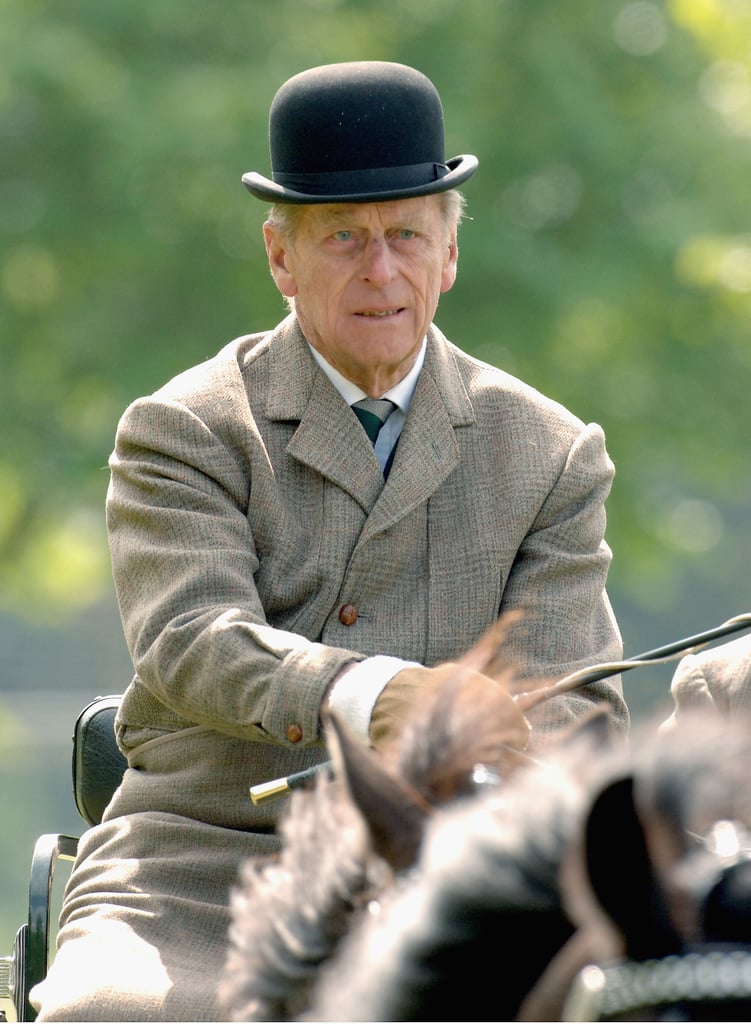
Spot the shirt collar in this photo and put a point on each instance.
(401, 393)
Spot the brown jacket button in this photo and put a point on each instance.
(294, 733)
(348, 615)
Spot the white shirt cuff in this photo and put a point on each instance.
(355, 692)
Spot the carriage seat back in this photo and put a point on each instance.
(98, 763)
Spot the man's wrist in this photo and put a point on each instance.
(358, 686)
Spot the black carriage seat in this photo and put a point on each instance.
(98, 763)
(98, 766)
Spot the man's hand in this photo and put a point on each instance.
(416, 685)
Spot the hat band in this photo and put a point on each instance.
(370, 179)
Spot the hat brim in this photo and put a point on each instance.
(460, 169)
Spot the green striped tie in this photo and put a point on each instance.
(373, 413)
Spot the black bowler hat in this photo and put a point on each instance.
(363, 131)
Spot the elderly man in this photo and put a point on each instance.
(323, 515)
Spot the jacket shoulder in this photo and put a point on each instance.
(226, 368)
(494, 391)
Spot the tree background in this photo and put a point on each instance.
(607, 261)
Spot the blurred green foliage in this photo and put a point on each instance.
(607, 261)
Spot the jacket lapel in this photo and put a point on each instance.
(428, 451)
(330, 440)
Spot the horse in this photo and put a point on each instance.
(625, 871)
(355, 837)
(469, 929)
(457, 879)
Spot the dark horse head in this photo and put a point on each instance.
(607, 882)
(419, 821)
(454, 880)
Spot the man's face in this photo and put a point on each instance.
(366, 279)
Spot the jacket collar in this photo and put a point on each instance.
(329, 440)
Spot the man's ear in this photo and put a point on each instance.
(448, 275)
(277, 250)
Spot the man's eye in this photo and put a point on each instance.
(343, 236)
(406, 233)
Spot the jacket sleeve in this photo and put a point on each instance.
(718, 679)
(558, 581)
(690, 690)
(183, 561)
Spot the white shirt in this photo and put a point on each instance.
(359, 685)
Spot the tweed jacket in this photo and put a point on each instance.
(716, 679)
(246, 508)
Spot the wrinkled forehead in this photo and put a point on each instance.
(419, 211)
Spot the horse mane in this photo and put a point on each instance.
(289, 911)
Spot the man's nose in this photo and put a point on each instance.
(378, 262)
